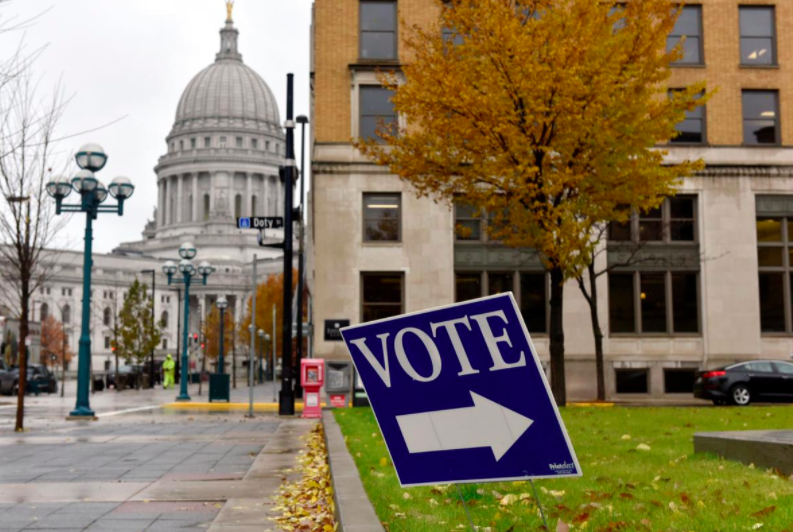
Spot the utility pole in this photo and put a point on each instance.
(286, 398)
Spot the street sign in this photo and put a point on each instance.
(261, 222)
(460, 395)
(306, 330)
(333, 329)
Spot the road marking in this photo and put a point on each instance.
(128, 411)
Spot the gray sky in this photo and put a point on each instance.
(134, 58)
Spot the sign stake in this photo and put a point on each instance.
(539, 504)
(468, 513)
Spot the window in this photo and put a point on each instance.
(784, 367)
(758, 35)
(254, 202)
(632, 380)
(692, 129)
(107, 317)
(499, 283)
(165, 343)
(378, 29)
(377, 111)
(468, 223)
(382, 214)
(206, 207)
(44, 312)
(467, 286)
(66, 292)
(66, 314)
(207, 142)
(382, 295)
(192, 143)
(107, 342)
(679, 380)
(238, 142)
(775, 261)
(760, 367)
(164, 319)
(654, 302)
(266, 145)
(222, 142)
(688, 27)
(181, 145)
(254, 144)
(673, 221)
(237, 206)
(760, 122)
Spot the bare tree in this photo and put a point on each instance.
(27, 223)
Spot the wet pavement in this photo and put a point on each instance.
(141, 467)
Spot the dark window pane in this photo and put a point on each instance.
(685, 303)
(784, 367)
(679, 380)
(651, 231)
(769, 230)
(652, 214)
(681, 207)
(631, 380)
(378, 45)
(681, 231)
(689, 132)
(757, 21)
(532, 301)
(759, 105)
(498, 283)
(759, 132)
(757, 51)
(772, 302)
(622, 311)
(770, 256)
(380, 312)
(760, 367)
(382, 288)
(688, 25)
(653, 298)
(468, 286)
(382, 213)
(378, 16)
(688, 22)
(469, 230)
(620, 232)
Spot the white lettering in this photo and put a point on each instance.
(432, 349)
(454, 336)
(383, 371)
(493, 341)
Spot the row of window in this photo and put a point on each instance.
(108, 340)
(239, 142)
(760, 112)
(378, 34)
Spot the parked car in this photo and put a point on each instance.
(740, 384)
(7, 379)
(37, 375)
(128, 377)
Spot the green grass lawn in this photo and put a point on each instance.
(665, 488)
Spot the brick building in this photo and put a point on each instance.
(376, 250)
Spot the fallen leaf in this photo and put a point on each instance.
(561, 526)
(764, 512)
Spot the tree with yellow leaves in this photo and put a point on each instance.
(543, 114)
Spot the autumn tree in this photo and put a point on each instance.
(211, 333)
(544, 115)
(54, 342)
(137, 335)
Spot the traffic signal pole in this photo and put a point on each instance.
(286, 398)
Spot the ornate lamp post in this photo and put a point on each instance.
(188, 252)
(222, 305)
(90, 158)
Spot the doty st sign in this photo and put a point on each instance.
(260, 222)
(460, 395)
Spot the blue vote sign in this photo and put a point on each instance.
(460, 395)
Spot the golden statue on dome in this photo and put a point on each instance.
(229, 9)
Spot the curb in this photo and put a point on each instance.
(354, 511)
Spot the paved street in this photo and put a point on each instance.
(142, 467)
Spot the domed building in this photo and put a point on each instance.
(222, 163)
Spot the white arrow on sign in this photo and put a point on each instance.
(486, 424)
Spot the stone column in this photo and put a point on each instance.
(167, 193)
(196, 203)
(212, 189)
(179, 198)
(160, 202)
(266, 196)
(248, 209)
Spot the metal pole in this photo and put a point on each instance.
(153, 302)
(178, 327)
(83, 408)
(301, 255)
(272, 365)
(183, 395)
(253, 339)
(465, 506)
(539, 504)
(63, 362)
(221, 367)
(286, 399)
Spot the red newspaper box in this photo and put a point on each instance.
(312, 377)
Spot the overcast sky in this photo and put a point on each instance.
(133, 59)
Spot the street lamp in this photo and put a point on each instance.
(91, 158)
(188, 252)
(222, 304)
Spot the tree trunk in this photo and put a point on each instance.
(22, 358)
(558, 385)
(598, 332)
(201, 373)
